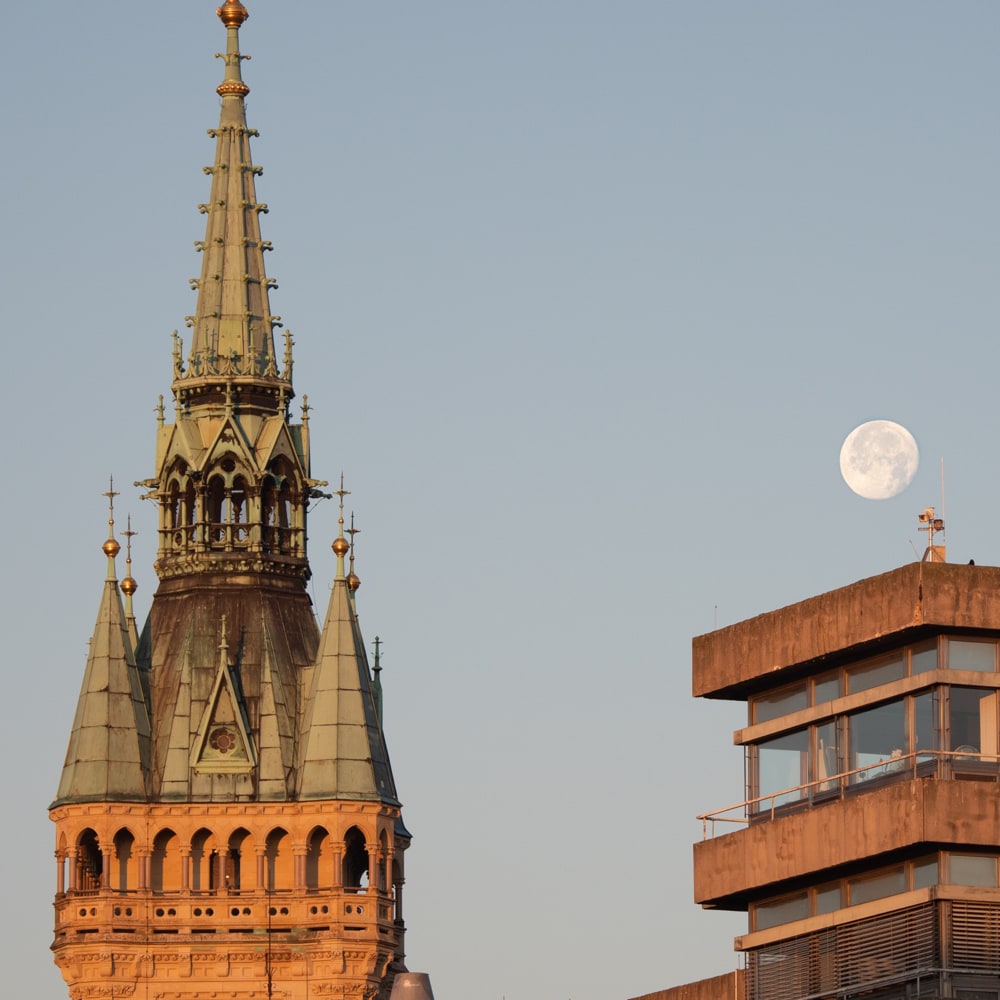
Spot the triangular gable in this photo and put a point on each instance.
(184, 441)
(230, 439)
(275, 441)
(222, 743)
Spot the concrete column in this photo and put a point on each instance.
(60, 875)
(185, 871)
(106, 868)
(373, 868)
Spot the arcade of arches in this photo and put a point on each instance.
(232, 859)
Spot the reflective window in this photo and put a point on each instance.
(828, 898)
(826, 687)
(877, 740)
(869, 675)
(972, 721)
(827, 764)
(925, 873)
(923, 658)
(973, 869)
(781, 911)
(778, 703)
(970, 655)
(782, 763)
(888, 883)
(923, 736)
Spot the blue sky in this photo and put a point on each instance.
(586, 297)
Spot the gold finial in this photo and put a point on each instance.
(340, 546)
(233, 14)
(353, 581)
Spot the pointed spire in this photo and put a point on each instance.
(343, 751)
(109, 748)
(232, 339)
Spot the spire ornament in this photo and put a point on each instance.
(111, 548)
(233, 14)
(353, 581)
(340, 544)
(128, 586)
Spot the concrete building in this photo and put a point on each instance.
(866, 853)
(227, 821)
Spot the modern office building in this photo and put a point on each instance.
(866, 853)
(227, 823)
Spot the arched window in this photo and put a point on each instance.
(165, 862)
(173, 506)
(279, 862)
(239, 843)
(355, 858)
(89, 862)
(319, 864)
(124, 873)
(215, 497)
(205, 862)
(189, 509)
(383, 865)
(238, 499)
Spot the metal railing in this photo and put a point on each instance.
(943, 764)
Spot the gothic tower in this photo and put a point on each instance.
(227, 817)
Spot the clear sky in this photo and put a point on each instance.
(586, 296)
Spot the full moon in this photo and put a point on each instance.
(879, 459)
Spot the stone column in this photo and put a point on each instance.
(338, 866)
(74, 870)
(399, 899)
(106, 868)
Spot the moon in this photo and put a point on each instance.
(879, 459)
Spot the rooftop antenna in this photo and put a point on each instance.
(932, 525)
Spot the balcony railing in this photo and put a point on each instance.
(943, 764)
(116, 911)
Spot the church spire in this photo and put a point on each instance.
(233, 477)
(232, 352)
(108, 755)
